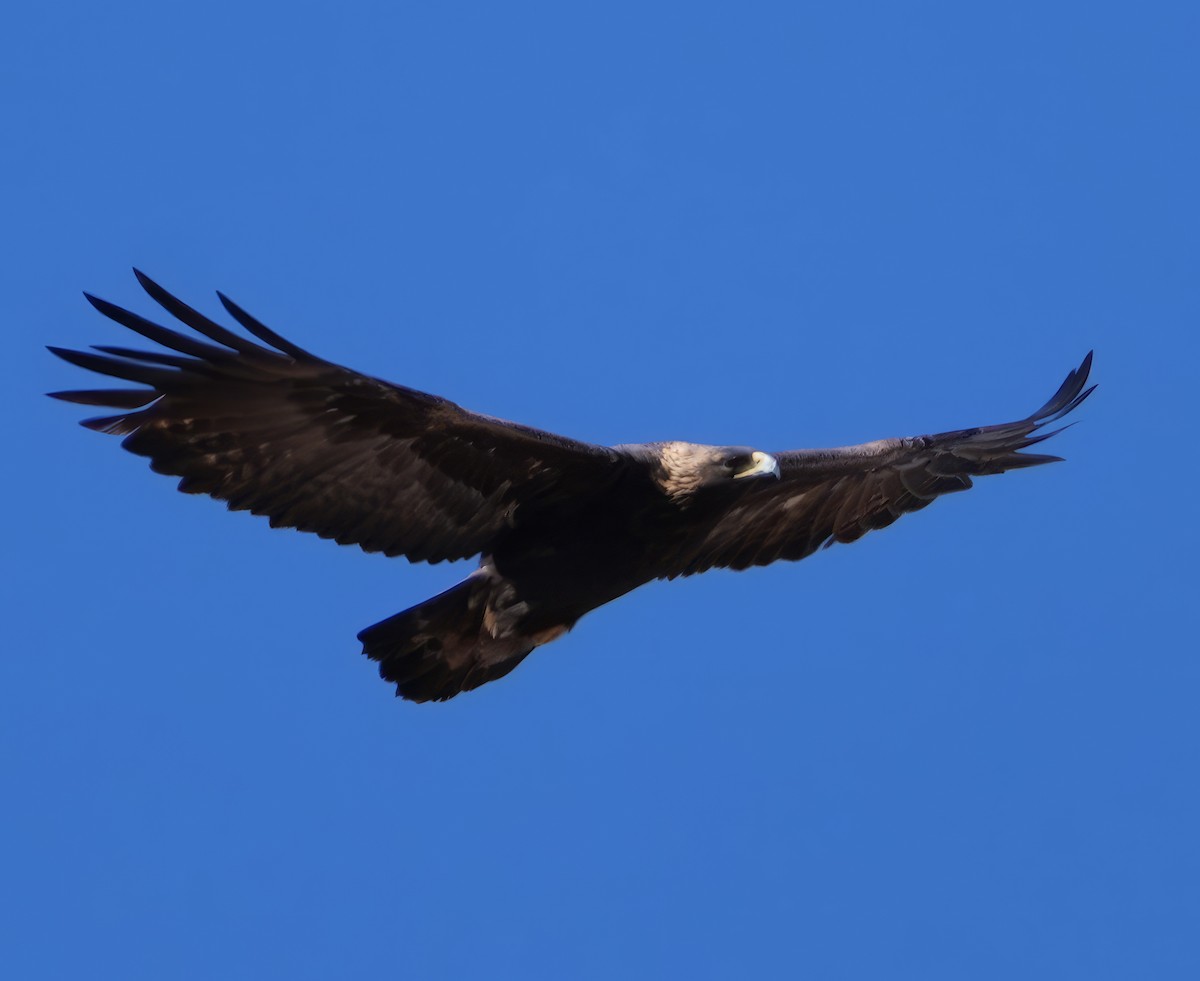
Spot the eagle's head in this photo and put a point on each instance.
(688, 468)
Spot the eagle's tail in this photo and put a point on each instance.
(444, 646)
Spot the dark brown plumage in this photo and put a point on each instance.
(561, 526)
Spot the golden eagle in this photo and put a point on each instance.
(561, 526)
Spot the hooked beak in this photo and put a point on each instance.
(761, 465)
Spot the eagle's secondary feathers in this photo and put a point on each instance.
(561, 526)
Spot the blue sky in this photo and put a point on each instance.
(965, 746)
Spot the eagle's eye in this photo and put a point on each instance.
(736, 462)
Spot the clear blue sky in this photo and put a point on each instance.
(964, 747)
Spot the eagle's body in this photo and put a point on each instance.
(561, 526)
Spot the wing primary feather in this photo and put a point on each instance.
(1041, 437)
(1017, 461)
(149, 357)
(226, 369)
(1067, 396)
(120, 425)
(115, 398)
(263, 332)
(113, 367)
(194, 319)
(1077, 401)
(160, 335)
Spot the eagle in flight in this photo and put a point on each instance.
(561, 526)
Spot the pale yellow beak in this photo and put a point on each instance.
(761, 465)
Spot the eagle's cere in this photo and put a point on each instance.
(561, 526)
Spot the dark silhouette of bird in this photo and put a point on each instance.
(561, 526)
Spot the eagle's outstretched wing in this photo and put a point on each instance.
(272, 429)
(838, 495)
